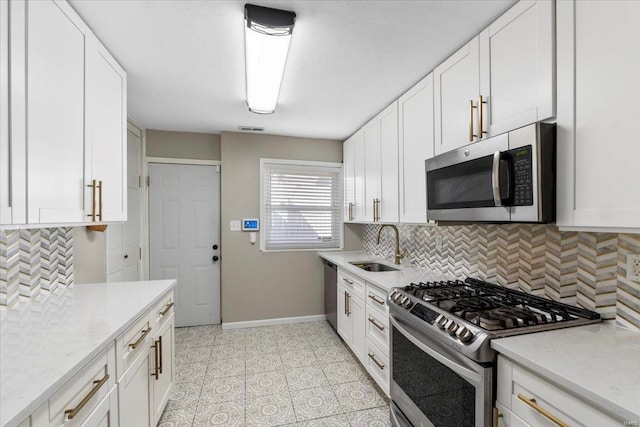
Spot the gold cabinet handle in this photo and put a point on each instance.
(481, 102)
(350, 211)
(167, 308)
(156, 369)
(471, 107)
(345, 303)
(348, 304)
(376, 324)
(93, 199)
(347, 280)
(533, 404)
(71, 413)
(100, 200)
(496, 416)
(145, 332)
(378, 210)
(376, 299)
(376, 361)
(160, 352)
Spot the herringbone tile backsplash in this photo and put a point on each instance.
(585, 269)
(33, 262)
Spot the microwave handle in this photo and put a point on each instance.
(495, 179)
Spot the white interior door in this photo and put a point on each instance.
(184, 228)
(124, 240)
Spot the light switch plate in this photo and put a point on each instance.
(633, 267)
(234, 225)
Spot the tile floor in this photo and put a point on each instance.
(287, 375)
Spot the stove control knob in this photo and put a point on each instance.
(464, 334)
(451, 326)
(441, 320)
(406, 302)
(397, 297)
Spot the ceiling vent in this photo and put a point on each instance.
(250, 129)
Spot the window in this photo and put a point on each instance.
(300, 205)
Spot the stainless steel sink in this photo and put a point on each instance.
(373, 266)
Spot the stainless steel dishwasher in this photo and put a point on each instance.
(331, 293)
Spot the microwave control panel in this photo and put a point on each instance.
(523, 176)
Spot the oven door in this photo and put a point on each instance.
(472, 183)
(433, 385)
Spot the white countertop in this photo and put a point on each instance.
(600, 363)
(383, 279)
(44, 343)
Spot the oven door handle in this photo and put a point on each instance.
(495, 179)
(469, 375)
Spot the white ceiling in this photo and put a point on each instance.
(348, 59)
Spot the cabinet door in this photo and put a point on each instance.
(517, 67)
(106, 132)
(106, 413)
(598, 152)
(5, 204)
(348, 160)
(135, 393)
(55, 113)
(344, 320)
(388, 176)
(371, 167)
(358, 169)
(358, 328)
(163, 367)
(415, 110)
(457, 85)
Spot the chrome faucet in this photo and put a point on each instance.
(398, 255)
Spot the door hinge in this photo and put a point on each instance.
(140, 252)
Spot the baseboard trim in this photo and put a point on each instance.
(271, 322)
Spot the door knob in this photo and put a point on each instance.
(215, 247)
(215, 258)
(126, 256)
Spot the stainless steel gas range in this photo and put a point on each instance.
(442, 365)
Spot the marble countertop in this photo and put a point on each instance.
(44, 343)
(600, 363)
(383, 279)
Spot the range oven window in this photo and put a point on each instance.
(443, 396)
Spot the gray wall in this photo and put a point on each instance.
(258, 285)
(89, 256)
(183, 145)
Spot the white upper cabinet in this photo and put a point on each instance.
(388, 176)
(501, 80)
(517, 67)
(416, 130)
(55, 78)
(598, 149)
(371, 169)
(457, 85)
(353, 158)
(106, 133)
(348, 161)
(5, 190)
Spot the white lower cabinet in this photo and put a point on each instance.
(377, 365)
(106, 413)
(351, 320)
(525, 399)
(162, 368)
(135, 393)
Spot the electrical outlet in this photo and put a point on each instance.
(633, 267)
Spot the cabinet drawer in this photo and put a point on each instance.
(106, 412)
(81, 394)
(378, 328)
(354, 284)
(554, 401)
(162, 311)
(132, 342)
(376, 297)
(377, 363)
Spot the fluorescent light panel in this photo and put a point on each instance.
(267, 38)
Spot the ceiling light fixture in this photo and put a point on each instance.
(267, 35)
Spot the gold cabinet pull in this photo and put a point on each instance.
(376, 324)
(350, 211)
(100, 200)
(160, 352)
(376, 361)
(481, 102)
(348, 304)
(93, 199)
(71, 413)
(167, 308)
(345, 304)
(496, 416)
(471, 107)
(376, 299)
(145, 332)
(156, 369)
(533, 404)
(347, 280)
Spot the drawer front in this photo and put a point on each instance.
(378, 328)
(162, 311)
(355, 285)
(544, 398)
(377, 298)
(72, 404)
(106, 413)
(377, 364)
(131, 343)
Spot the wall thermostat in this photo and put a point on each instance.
(250, 224)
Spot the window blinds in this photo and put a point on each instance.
(302, 206)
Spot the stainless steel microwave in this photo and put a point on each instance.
(506, 178)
